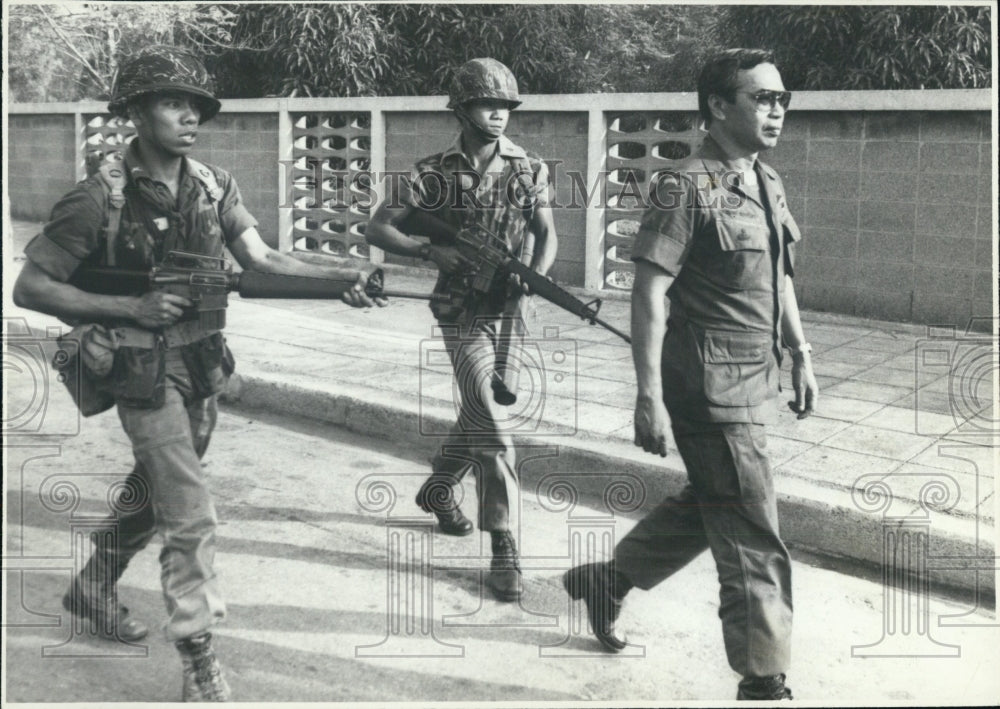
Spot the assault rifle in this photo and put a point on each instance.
(492, 259)
(207, 280)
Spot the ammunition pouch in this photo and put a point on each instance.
(209, 363)
(139, 377)
(91, 394)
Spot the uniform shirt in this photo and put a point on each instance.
(153, 222)
(728, 248)
(500, 199)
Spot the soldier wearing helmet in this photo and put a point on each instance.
(482, 179)
(164, 373)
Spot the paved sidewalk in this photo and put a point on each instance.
(904, 433)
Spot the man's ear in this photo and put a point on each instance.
(717, 107)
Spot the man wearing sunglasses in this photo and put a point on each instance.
(719, 243)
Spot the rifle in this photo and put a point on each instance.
(491, 259)
(207, 281)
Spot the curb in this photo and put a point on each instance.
(824, 521)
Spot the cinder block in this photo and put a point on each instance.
(888, 216)
(984, 253)
(950, 126)
(885, 246)
(832, 213)
(833, 242)
(787, 153)
(836, 125)
(884, 304)
(953, 219)
(888, 187)
(834, 155)
(797, 205)
(886, 275)
(892, 125)
(890, 156)
(986, 225)
(828, 269)
(949, 158)
(984, 285)
(797, 124)
(949, 189)
(937, 309)
(569, 273)
(935, 249)
(943, 280)
(830, 297)
(834, 184)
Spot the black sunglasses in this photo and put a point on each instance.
(767, 100)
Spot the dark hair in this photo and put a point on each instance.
(718, 76)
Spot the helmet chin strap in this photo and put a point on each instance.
(484, 134)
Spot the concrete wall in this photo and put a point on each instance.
(895, 211)
(247, 146)
(414, 135)
(40, 163)
(894, 195)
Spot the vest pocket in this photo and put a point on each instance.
(139, 376)
(736, 365)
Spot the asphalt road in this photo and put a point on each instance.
(338, 591)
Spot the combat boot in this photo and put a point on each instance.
(764, 688)
(602, 589)
(436, 495)
(93, 596)
(203, 677)
(505, 569)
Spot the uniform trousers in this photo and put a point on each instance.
(729, 507)
(166, 492)
(479, 441)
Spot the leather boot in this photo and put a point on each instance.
(436, 495)
(505, 569)
(764, 688)
(203, 677)
(93, 596)
(595, 584)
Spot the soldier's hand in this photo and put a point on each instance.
(356, 297)
(448, 259)
(158, 310)
(515, 285)
(651, 423)
(805, 386)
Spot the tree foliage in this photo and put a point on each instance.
(866, 47)
(67, 52)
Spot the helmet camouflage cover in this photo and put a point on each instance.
(481, 79)
(163, 68)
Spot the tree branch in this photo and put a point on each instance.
(79, 57)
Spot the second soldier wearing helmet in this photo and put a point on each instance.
(165, 371)
(484, 180)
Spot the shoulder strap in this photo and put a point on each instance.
(207, 179)
(112, 174)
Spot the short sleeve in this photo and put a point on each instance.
(72, 233)
(235, 218)
(541, 178)
(668, 225)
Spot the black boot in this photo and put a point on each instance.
(203, 677)
(505, 569)
(764, 688)
(602, 590)
(97, 582)
(436, 495)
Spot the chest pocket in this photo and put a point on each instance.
(741, 261)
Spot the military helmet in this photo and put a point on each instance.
(483, 78)
(163, 68)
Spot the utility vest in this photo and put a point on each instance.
(506, 210)
(136, 236)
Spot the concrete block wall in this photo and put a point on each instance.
(40, 163)
(558, 137)
(246, 144)
(895, 212)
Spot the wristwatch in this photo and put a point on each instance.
(804, 347)
(425, 252)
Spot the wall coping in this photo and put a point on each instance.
(916, 100)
